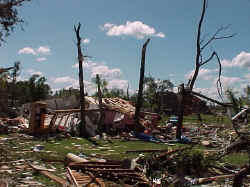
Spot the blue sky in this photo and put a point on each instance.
(113, 33)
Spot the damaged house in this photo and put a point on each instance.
(118, 116)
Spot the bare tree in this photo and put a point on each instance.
(102, 113)
(139, 97)
(82, 99)
(202, 44)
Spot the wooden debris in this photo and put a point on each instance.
(108, 170)
(215, 178)
(46, 173)
(146, 151)
(75, 158)
(81, 179)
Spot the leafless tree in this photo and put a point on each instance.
(82, 99)
(139, 97)
(102, 113)
(202, 44)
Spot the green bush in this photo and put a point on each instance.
(193, 162)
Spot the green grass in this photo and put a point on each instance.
(207, 119)
(115, 150)
(237, 159)
(58, 148)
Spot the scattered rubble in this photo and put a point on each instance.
(193, 164)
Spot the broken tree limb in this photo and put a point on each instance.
(210, 99)
(46, 173)
(168, 153)
(3, 70)
(199, 181)
(223, 169)
(239, 114)
(139, 97)
(146, 151)
(210, 179)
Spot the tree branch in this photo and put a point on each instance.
(218, 83)
(199, 31)
(198, 49)
(216, 37)
(209, 59)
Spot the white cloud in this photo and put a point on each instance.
(229, 81)
(111, 75)
(43, 50)
(65, 79)
(105, 72)
(205, 74)
(160, 34)
(136, 29)
(242, 60)
(86, 41)
(34, 72)
(89, 87)
(118, 83)
(41, 59)
(27, 50)
(101, 69)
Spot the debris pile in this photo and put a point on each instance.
(199, 161)
(17, 124)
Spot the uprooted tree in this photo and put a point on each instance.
(201, 46)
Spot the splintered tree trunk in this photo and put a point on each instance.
(82, 99)
(128, 92)
(139, 97)
(100, 123)
(180, 112)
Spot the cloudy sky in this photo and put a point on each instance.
(113, 33)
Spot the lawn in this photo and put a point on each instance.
(54, 150)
